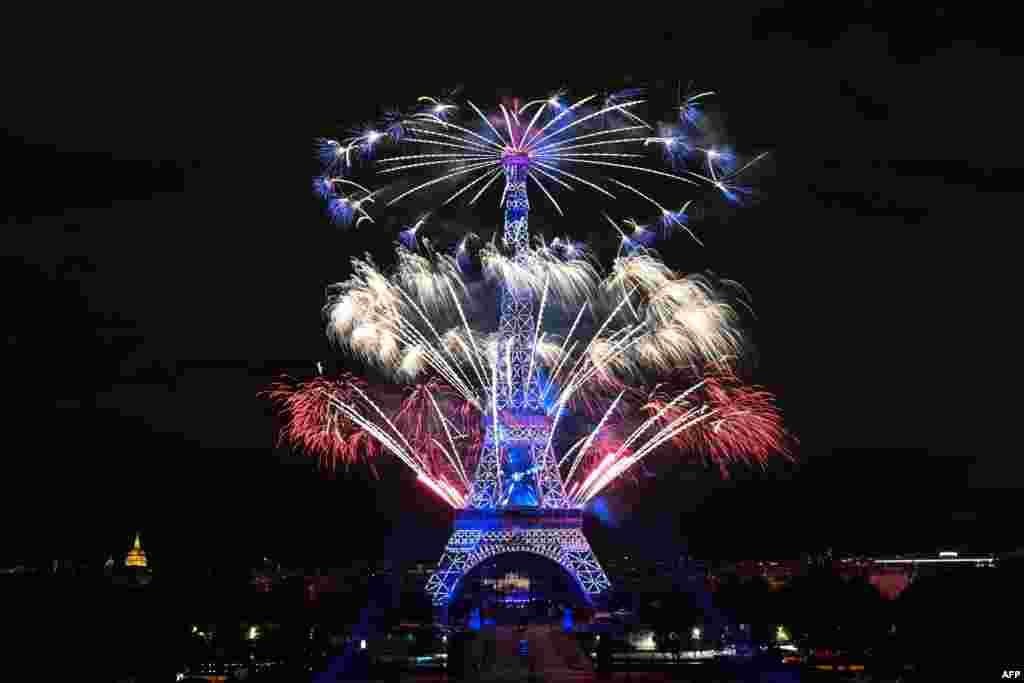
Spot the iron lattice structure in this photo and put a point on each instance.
(554, 534)
(517, 468)
(521, 425)
(517, 500)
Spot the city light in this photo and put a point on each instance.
(934, 560)
(362, 644)
(696, 633)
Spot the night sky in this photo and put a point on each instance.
(166, 260)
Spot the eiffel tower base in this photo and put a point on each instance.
(479, 535)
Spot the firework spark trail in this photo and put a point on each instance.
(561, 144)
(434, 357)
(472, 145)
(435, 181)
(625, 296)
(381, 436)
(565, 112)
(463, 159)
(546, 193)
(603, 478)
(576, 122)
(684, 422)
(614, 457)
(436, 488)
(586, 351)
(456, 462)
(388, 420)
(664, 212)
(468, 393)
(598, 367)
(749, 427)
(415, 411)
(585, 484)
(593, 435)
(508, 124)
(559, 148)
(488, 122)
(578, 179)
(314, 426)
(540, 110)
(489, 143)
(469, 333)
(572, 449)
(405, 454)
(492, 174)
(536, 332)
(554, 179)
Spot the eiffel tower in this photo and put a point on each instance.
(518, 502)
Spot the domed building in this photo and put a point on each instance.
(136, 570)
(136, 556)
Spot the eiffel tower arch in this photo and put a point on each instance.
(480, 535)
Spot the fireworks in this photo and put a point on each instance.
(314, 426)
(491, 382)
(592, 143)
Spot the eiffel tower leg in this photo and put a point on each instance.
(453, 566)
(582, 563)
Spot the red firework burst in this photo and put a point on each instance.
(744, 425)
(420, 420)
(315, 425)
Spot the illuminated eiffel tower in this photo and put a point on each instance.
(518, 502)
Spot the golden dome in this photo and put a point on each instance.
(136, 556)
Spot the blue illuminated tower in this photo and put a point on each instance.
(518, 502)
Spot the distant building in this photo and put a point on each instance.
(136, 556)
(513, 587)
(136, 570)
(890, 575)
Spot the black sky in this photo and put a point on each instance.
(166, 261)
